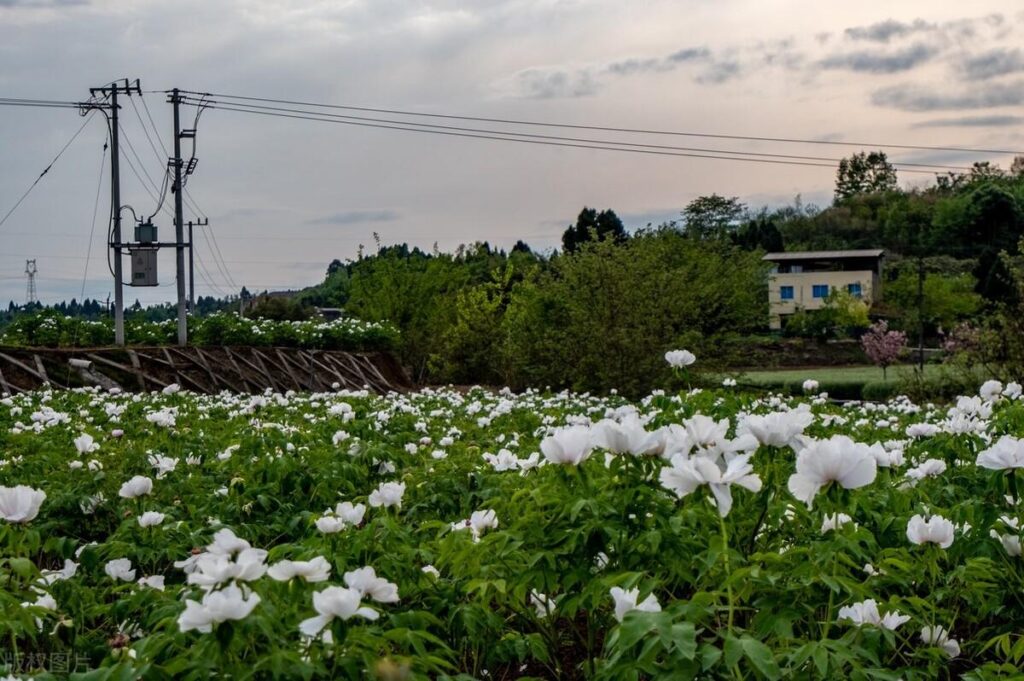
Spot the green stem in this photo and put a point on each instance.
(831, 600)
(728, 571)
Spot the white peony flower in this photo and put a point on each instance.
(225, 541)
(136, 487)
(85, 444)
(387, 494)
(151, 518)
(834, 522)
(935, 530)
(571, 445)
(930, 468)
(838, 459)
(543, 605)
(504, 460)
(991, 390)
(120, 568)
(1006, 453)
(20, 504)
(69, 570)
(922, 430)
(477, 523)
(678, 359)
(153, 582)
(686, 475)
(778, 429)
(335, 601)
(229, 603)
(213, 569)
(330, 524)
(162, 464)
(625, 601)
(866, 612)
(366, 582)
(938, 636)
(627, 437)
(315, 570)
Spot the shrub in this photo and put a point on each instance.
(878, 391)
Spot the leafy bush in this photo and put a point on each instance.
(51, 329)
(878, 391)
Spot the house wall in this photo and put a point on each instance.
(803, 289)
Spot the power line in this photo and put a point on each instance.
(156, 154)
(192, 204)
(95, 210)
(38, 103)
(204, 274)
(46, 169)
(507, 121)
(158, 198)
(218, 259)
(145, 130)
(511, 139)
(542, 142)
(562, 138)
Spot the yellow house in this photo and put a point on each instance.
(801, 280)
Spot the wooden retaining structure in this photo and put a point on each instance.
(243, 369)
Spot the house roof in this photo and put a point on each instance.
(824, 255)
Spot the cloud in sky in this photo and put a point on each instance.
(885, 31)
(881, 62)
(356, 217)
(550, 83)
(992, 121)
(40, 4)
(909, 97)
(993, 63)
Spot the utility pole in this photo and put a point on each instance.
(192, 262)
(179, 225)
(112, 90)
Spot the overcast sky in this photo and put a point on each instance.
(284, 197)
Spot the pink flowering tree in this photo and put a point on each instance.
(883, 346)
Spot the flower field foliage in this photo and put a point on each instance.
(52, 329)
(447, 534)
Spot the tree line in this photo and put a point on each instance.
(599, 311)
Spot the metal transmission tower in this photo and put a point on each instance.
(30, 291)
(110, 110)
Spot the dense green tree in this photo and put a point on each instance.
(981, 223)
(761, 232)
(864, 173)
(713, 217)
(604, 317)
(591, 225)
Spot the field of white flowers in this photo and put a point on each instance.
(447, 534)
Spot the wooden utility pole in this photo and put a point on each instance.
(112, 90)
(179, 224)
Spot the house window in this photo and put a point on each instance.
(820, 291)
(854, 289)
(786, 292)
